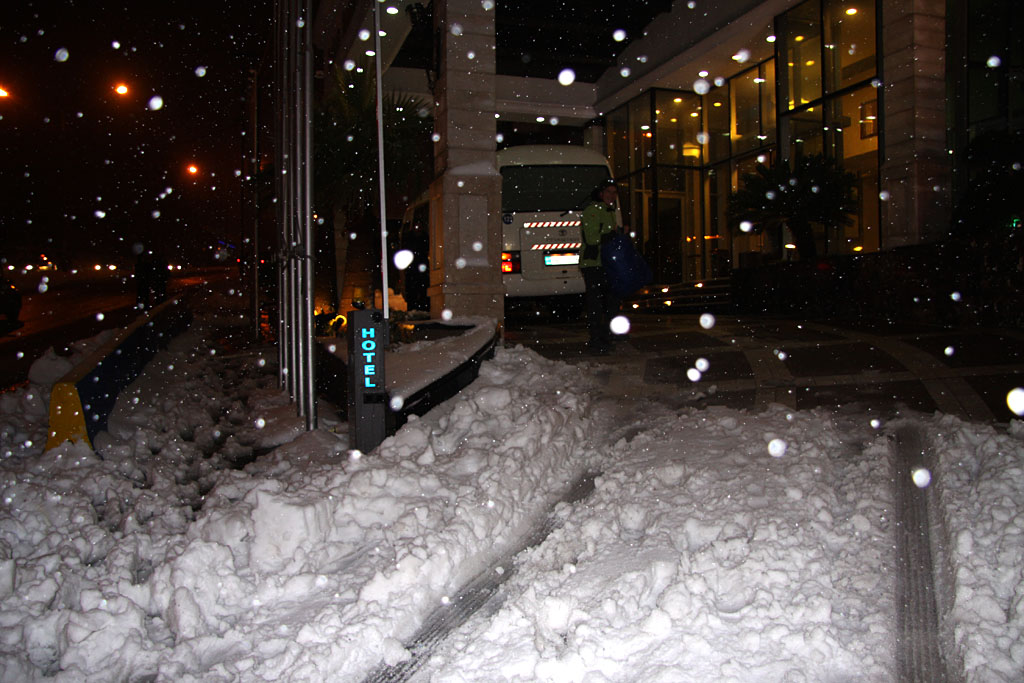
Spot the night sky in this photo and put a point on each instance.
(85, 172)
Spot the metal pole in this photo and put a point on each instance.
(254, 184)
(294, 79)
(380, 159)
(282, 188)
(307, 179)
(289, 169)
(298, 206)
(293, 208)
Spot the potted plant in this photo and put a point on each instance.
(814, 190)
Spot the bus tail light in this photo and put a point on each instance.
(510, 262)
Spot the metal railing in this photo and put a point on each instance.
(293, 103)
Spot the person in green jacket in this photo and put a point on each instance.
(598, 226)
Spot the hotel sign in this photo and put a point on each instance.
(367, 389)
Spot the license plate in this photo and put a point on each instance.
(562, 258)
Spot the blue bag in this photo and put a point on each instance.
(624, 267)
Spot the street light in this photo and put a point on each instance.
(192, 169)
(3, 92)
(121, 89)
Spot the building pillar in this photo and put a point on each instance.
(594, 137)
(915, 177)
(465, 197)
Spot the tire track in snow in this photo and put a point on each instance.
(918, 655)
(478, 592)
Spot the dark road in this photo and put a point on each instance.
(69, 309)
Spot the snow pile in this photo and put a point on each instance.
(980, 490)
(718, 546)
(209, 537)
(152, 556)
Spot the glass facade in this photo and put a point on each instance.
(660, 182)
(851, 135)
(640, 134)
(769, 106)
(718, 120)
(678, 156)
(804, 133)
(678, 120)
(751, 97)
(798, 50)
(617, 141)
(986, 60)
(718, 188)
(745, 111)
(678, 196)
(849, 49)
(829, 104)
(994, 57)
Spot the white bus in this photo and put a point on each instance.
(544, 189)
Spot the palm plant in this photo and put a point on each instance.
(815, 190)
(345, 164)
(345, 136)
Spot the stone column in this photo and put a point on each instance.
(465, 216)
(593, 137)
(916, 176)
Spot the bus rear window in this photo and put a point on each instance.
(549, 187)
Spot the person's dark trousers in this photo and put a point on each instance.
(600, 305)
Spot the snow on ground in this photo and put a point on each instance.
(979, 483)
(208, 537)
(702, 556)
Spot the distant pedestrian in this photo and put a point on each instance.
(598, 227)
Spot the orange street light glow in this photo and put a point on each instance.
(3, 92)
(121, 89)
(193, 169)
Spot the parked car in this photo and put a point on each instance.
(10, 300)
